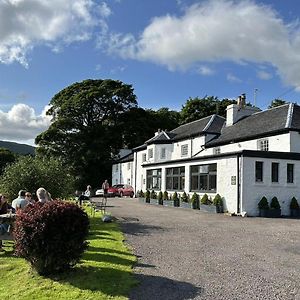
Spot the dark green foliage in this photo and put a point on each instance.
(277, 102)
(147, 195)
(195, 201)
(218, 200)
(204, 199)
(165, 195)
(274, 203)
(86, 130)
(175, 198)
(263, 203)
(294, 204)
(198, 108)
(6, 158)
(51, 236)
(141, 194)
(184, 197)
(30, 173)
(153, 195)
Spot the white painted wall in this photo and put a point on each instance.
(253, 191)
(123, 174)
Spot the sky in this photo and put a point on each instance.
(168, 50)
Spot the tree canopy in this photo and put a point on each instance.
(277, 102)
(85, 132)
(6, 158)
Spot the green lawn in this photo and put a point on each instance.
(105, 271)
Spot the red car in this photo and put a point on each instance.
(121, 190)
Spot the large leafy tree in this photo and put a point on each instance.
(197, 108)
(86, 129)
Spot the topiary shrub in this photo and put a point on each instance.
(165, 195)
(274, 203)
(184, 197)
(263, 203)
(175, 198)
(141, 194)
(195, 201)
(294, 204)
(147, 196)
(160, 197)
(218, 200)
(51, 236)
(204, 200)
(153, 195)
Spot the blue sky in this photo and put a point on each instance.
(168, 50)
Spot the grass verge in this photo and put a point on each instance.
(105, 271)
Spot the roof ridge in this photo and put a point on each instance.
(289, 116)
(276, 107)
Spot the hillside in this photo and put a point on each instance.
(17, 148)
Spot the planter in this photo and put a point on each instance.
(176, 203)
(208, 208)
(274, 213)
(147, 200)
(160, 202)
(219, 209)
(154, 201)
(195, 205)
(295, 212)
(169, 203)
(142, 200)
(185, 205)
(264, 213)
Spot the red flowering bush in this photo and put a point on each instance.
(51, 236)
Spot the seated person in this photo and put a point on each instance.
(86, 196)
(42, 195)
(4, 207)
(20, 202)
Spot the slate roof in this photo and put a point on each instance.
(279, 119)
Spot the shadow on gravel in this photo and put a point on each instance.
(139, 229)
(160, 288)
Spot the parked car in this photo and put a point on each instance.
(99, 193)
(121, 190)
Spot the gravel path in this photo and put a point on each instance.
(188, 254)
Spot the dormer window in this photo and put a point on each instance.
(217, 150)
(184, 150)
(144, 157)
(163, 153)
(263, 145)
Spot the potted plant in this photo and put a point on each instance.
(195, 201)
(218, 202)
(160, 198)
(206, 204)
(147, 196)
(263, 207)
(175, 199)
(184, 201)
(274, 211)
(141, 196)
(294, 207)
(166, 200)
(153, 197)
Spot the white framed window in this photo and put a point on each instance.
(128, 166)
(184, 149)
(144, 157)
(163, 153)
(217, 150)
(117, 168)
(150, 153)
(263, 145)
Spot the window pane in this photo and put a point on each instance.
(258, 171)
(290, 173)
(275, 168)
(203, 182)
(212, 182)
(169, 183)
(203, 169)
(194, 183)
(194, 169)
(212, 167)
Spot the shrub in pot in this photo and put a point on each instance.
(51, 236)
(153, 197)
(195, 201)
(184, 201)
(218, 202)
(294, 208)
(274, 211)
(175, 198)
(147, 196)
(141, 194)
(263, 207)
(160, 198)
(165, 195)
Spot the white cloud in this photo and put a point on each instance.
(25, 24)
(22, 124)
(264, 75)
(206, 71)
(214, 31)
(232, 78)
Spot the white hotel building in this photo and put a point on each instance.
(248, 155)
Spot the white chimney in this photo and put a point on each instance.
(235, 112)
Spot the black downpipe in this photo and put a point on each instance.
(238, 184)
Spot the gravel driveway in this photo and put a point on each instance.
(188, 254)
